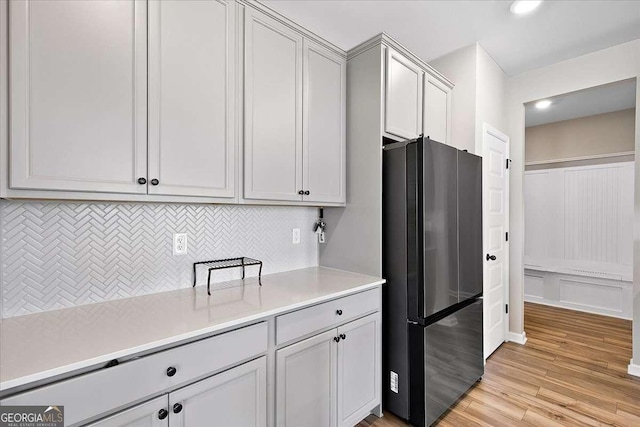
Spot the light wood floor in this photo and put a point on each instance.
(571, 372)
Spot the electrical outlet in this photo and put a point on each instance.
(180, 244)
(295, 236)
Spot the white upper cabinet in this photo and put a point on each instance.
(192, 98)
(171, 100)
(78, 95)
(273, 109)
(324, 125)
(295, 106)
(403, 96)
(437, 107)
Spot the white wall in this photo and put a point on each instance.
(606, 66)
(460, 68)
(490, 95)
(478, 96)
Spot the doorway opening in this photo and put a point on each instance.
(579, 200)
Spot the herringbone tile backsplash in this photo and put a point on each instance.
(56, 255)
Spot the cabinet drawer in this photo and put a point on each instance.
(302, 322)
(128, 382)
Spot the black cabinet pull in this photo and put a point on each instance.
(343, 337)
(162, 414)
(491, 257)
(171, 371)
(336, 339)
(177, 408)
(155, 181)
(306, 193)
(142, 180)
(339, 312)
(301, 192)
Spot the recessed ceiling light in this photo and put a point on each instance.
(541, 105)
(520, 7)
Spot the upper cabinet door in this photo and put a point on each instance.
(437, 105)
(359, 368)
(324, 124)
(273, 109)
(403, 97)
(78, 103)
(191, 98)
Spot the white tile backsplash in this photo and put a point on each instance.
(56, 255)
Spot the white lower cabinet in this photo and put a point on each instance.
(358, 369)
(149, 414)
(306, 382)
(331, 379)
(235, 398)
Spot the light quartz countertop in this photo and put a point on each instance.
(38, 347)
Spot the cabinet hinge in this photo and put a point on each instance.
(506, 236)
(506, 308)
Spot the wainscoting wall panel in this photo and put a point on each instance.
(593, 295)
(580, 214)
(579, 238)
(55, 255)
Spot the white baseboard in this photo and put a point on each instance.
(579, 307)
(633, 369)
(517, 338)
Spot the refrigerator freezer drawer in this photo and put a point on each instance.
(454, 360)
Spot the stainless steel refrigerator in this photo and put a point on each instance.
(432, 260)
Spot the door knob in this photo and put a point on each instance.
(171, 371)
(491, 257)
(336, 339)
(301, 192)
(343, 337)
(154, 181)
(142, 180)
(177, 408)
(339, 312)
(162, 414)
(306, 193)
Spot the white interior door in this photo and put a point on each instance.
(495, 207)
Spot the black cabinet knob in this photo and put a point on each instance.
(336, 339)
(171, 371)
(155, 181)
(162, 414)
(177, 408)
(142, 180)
(306, 193)
(343, 337)
(301, 192)
(491, 257)
(339, 312)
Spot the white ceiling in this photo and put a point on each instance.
(598, 100)
(556, 31)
